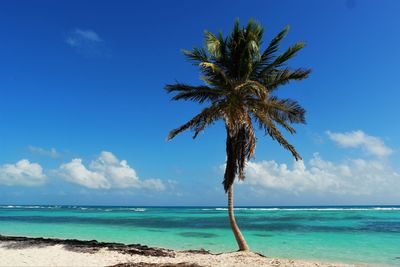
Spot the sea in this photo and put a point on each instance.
(347, 234)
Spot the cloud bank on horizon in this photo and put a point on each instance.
(351, 176)
(355, 176)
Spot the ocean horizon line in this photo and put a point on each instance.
(202, 206)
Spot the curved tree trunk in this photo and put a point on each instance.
(236, 231)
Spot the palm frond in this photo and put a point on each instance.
(195, 93)
(223, 59)
(282, 58)
(269, 53)
(214, 73)
(250, 48)
(267, 124)
(277, 135)
(206, 117)
(288, 110)
(275, 116)
(197, 55)
(255, 30)
(213, 44)
(252, 88)
(281, 77)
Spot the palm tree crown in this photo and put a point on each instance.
(240, 80)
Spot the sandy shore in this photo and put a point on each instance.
(22, 251)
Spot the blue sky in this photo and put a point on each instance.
(83, 113)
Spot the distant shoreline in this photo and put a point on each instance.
(30, 251)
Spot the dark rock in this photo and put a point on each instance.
(91, 246)
(198, 251)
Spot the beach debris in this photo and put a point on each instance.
(275, 262)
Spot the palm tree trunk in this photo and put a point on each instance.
(236, 231)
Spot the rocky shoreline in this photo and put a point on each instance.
(90, 246)
(93, 246)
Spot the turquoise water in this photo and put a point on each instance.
(368, 235)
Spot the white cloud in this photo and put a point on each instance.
(106, 172)
(52, 153)
(88, 35)
(80, 37)
(87, 43)
(22, 173)
(76, 172)
(351, 177)
(155, 184)
(372, 145)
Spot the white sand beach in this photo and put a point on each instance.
(20, 253)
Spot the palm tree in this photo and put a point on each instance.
(239, 82)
